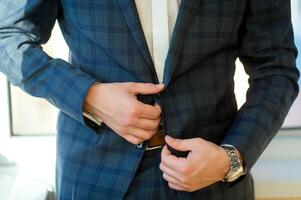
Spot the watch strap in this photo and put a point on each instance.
(237, 167)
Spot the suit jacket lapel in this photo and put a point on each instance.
(130, 13)
(187, 11)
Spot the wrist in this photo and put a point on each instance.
(237, 167)
(90, 98)
(226, 165)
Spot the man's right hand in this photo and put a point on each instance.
(117, 106)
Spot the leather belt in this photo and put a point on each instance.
(157, 141)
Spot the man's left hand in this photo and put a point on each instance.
(205, 164)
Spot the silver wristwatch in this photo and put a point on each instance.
(237, 168)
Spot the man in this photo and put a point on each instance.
(150, 69)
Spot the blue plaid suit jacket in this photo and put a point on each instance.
(107, 44)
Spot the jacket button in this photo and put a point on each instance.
(140, 146)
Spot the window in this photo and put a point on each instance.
(293, 120)
(33, 116)
(29, 115)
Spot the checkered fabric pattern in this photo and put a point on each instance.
(107, 44)
(154, 187)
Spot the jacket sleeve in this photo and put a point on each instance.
(268, 54)
(24, 26)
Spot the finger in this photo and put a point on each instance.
(132, 139)
(176, 187)
(170, 179)
(142, 133)
(148, 124)
(110, 122)
(165, 152)
(145, 88)
(170, 173)
(172, 162)
(180, 144)
(148, 111)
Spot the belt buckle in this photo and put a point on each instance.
(147, 148)
(159, 135)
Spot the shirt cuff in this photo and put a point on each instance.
(92, 121)
(93, 118)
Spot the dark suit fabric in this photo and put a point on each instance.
(107, 44)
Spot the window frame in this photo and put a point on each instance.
(13, 133)
(5, 133)
(10, 114)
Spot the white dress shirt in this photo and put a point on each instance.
(158, 19)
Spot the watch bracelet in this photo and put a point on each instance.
(233, 158)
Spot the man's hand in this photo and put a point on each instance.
(205, 164)
(117, 106)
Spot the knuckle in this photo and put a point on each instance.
(162, 156)
(150, 134)
(131, 85)
(127, 121)
(123, 129)
(159, 111)
(155, 125)
(127, 138)
(184, 179)
(133, 110)
(132, 140)
(120, 130)
(161, 167)
(186, 170)
(154, 132)
(136, 141)
(157, 114)
(147, 136)
(151, 127)
(143, 134)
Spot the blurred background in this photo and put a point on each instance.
(27, 138)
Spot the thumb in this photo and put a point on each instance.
(178, 144)
(145, 88)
